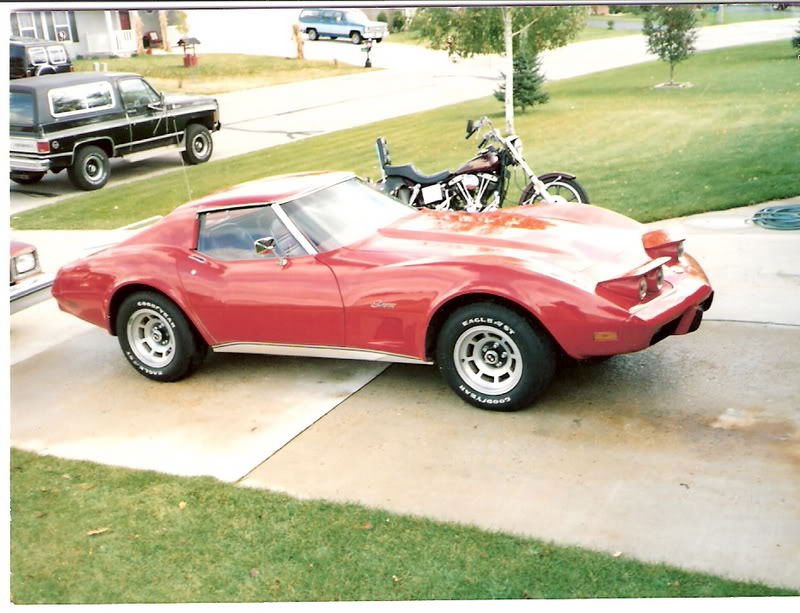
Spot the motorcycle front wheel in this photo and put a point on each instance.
(569, 189)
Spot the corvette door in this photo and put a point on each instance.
(286, 298)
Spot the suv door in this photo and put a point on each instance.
(148, 119)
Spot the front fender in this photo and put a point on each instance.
(554, 176)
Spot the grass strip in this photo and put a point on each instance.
(729, 140)
(86, 533)
(217, 73)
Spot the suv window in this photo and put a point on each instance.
(37, 55)
(137, 93)
(81, 98)
(57, 54)
(21, 109)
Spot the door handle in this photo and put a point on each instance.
(198, 258)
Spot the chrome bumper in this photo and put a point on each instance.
(21, 164)
(29, 292)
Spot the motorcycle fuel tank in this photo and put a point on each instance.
(484, 162)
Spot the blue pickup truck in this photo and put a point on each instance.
(341, 23)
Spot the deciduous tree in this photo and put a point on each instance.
(504, 30)
(670, 32)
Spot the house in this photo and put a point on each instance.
(96, 33)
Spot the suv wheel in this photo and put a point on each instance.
(90, 168)
(312, 34)
(356, 38)
(198, 144)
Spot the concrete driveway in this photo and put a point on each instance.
(687, 453)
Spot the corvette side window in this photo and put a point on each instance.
(231, 234)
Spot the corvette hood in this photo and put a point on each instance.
(574, 239)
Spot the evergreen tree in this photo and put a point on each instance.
(528, 81)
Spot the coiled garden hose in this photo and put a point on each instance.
(785, 217)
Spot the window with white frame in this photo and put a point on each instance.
(81, 98)
(27, 29)
(61, 24)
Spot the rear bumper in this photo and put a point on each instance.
(26, 164)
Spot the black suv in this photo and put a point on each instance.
(32, 58)
(79, 120)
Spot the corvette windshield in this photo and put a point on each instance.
(343, 214)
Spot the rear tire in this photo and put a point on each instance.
(494, 358)
(156, 338)
(90, 168)
(569, 189)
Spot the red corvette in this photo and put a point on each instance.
(324, 265)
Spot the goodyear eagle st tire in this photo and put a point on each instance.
(494, 358)
(156, 337)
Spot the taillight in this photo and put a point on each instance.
(632, 289)
(655, 279)
(43, 147)
(662, 243)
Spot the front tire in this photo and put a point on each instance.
(312, 34)
(199, 144)
(90, 169)
(156, 337)
(356, 38)
(569, 189)
(494, 358)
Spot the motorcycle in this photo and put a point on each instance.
(481, 183)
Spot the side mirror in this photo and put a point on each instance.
(267, 246)
(470, 128)
(158, 106)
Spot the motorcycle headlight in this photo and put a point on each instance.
(25, 263)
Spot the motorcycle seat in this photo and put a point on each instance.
(410, 172)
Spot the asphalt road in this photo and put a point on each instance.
(414, 80)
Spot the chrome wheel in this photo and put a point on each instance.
(201, 145)
(150, 338)
(488, 359)
(94, 169)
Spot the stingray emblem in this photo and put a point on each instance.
(380, 304)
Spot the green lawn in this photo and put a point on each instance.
(651, 154)
(219, 73)
(85, 533)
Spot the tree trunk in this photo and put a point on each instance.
(162, 25)
(509, 92)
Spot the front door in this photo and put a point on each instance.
(148, 120)
(241, 297)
